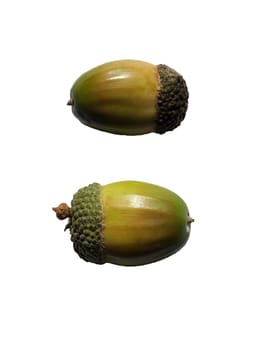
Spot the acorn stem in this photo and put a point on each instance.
(190, 220)
(62, 211)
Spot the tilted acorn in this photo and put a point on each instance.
(130, 97)
(126, 223)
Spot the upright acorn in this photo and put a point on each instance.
(130, 97)
(126, 223)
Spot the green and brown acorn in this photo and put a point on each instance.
(126, 223)
(130, 97)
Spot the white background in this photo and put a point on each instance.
(209, 295)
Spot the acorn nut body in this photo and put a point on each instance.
(126, 223)
(130, 97)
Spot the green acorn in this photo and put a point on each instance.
(130, 97)
(126, 223)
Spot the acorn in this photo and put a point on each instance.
(130, 97)
(126, 223)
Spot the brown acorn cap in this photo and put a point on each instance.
(172, 99)
(85, 222)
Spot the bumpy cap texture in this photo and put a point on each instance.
(86, 223)
(172, 100)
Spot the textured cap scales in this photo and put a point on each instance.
(85, 224)
(172, 100)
